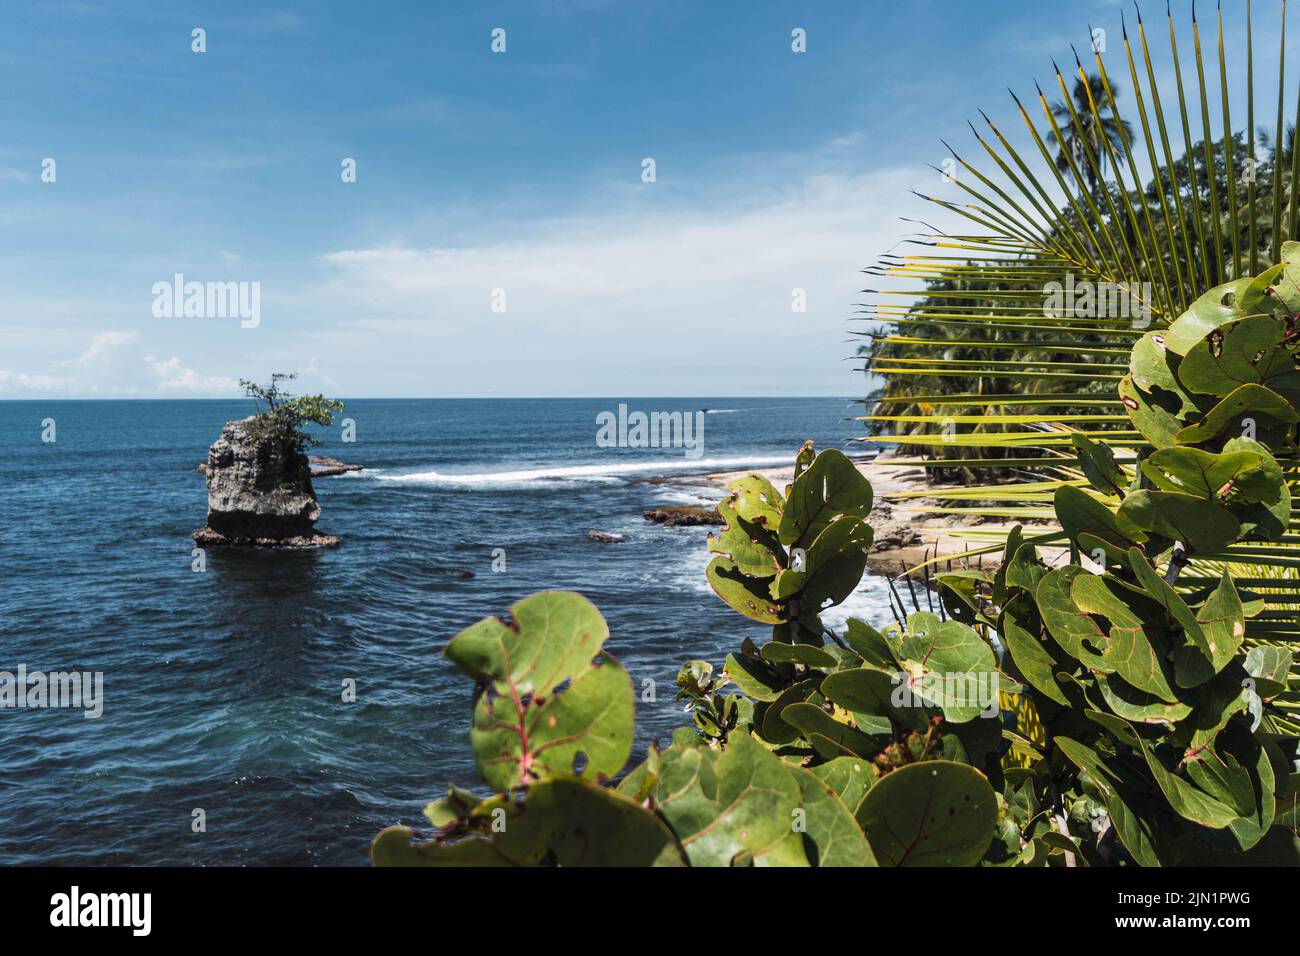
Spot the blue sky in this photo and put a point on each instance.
(476, 171)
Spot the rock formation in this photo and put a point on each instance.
(670, 516)
(259, 493)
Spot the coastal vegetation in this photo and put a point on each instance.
(283, 417)
(1047, 714)
(1118, 685)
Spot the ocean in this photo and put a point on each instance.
(223, 689)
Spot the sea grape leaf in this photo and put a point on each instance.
(868, 643)
(550, 637)
(1223, 622)
(948, 665)
(1247, 351)
(831, 486)
(933, 813)
(1080, 513)
(521, 727)
(1020, 628)
(1130, 651)
(1200, 525)
(585, 730)
(756, 500)
(772, 727)
(558, 822)
(1154, 414)
(743, 593)
(1073, 629)
(1269, 666)
(1187, 800)
(1137, 705)
(870, 692)
(834, 564)
(849, 777)
(751, 546)
(831, 836)
(828, 736)
(754, 678)
(1206, 474)
(1136, 829)
(1228, 416)
(1099, 464)
(727, 808)
(1025, 570)
(777, 652)
(1209, 311)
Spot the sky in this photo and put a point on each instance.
(500, 237)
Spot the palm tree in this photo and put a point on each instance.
(1084, 129)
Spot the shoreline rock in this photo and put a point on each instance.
(207, 537)
(672, 516)
(322, 466)
(259, 493)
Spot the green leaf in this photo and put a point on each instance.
(1269, 667)
(1137, 831)
(550, 637)
(831, 835)
(831, 487)
(1228, 416)
(727, 808)
(849, 777)
(1200, 525)
(1098, 464)
(1247, 351)
(743, 593)
(1020, 628)
(559, 822)
(828, 736)
(1223, 622)
(1081, 514)
(1073, 629)
(934, 813)
(754, 678)
(587, 728)
(777, 652)
(757, 501)
(1202, 473)
(1131, 652)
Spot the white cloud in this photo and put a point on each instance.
(641, 299)
(173, 376)
(100, 346)
(110, 366)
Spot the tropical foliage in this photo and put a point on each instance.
(1049, 714)
(284, 417)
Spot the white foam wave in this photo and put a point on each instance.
(601, 473)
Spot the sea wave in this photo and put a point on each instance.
(594, 473)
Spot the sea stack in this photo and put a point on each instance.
(260, 493)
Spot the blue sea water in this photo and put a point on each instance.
(223, 689)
